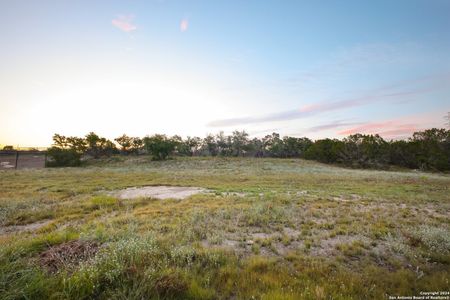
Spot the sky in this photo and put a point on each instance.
(300, 68)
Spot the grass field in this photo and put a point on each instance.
(266, 229)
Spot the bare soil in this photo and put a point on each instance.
(159, 192)
(25, 160)
(7, 162)
(24, 228)
(30, 160)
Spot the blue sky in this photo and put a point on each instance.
(301, 68)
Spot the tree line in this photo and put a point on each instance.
(425, 150)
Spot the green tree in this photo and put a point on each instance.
(273, 145)
(189, 147)
(76, 143)
(256, 147)
(159, 146)
(60, 141)
(294, 147)
(325, 150)
(223, 144)
(432, 149)
(362, 150)
(65, 152)
(403, 153)
(99, 146)
(125, 143)
(194, 144)
(210, 145)
(136, 145)
(239, 142)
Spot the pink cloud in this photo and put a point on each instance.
(310, 107)
(184, 24)
(396, 128)
(388, 129)
(403, 131)
(368, 128)
(331, 125)
(124, 23)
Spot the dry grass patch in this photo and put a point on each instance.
(67, 255)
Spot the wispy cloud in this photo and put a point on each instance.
(124, 23)
(405, 88)
(356, 59)
(280, 116)
(184, 25)
(332, 125)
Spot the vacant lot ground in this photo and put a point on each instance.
(25, 160)
(259, 229)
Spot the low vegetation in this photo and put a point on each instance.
(263, 228)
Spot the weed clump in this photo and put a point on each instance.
(436, 239)
(67, 255)
(100, 202)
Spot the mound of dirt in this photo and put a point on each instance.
(159, 192)
(67, 255)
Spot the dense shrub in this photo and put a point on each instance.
(67, 151)
(326, 151)
(159, 145)
(63, 157)
(432, 149)
(364, 151)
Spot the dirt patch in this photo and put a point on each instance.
(301, 193)
(238, 194)
(348, 198)
(159, 192)
(227, 244)
(67, 255)
(294, 246)
(25, 159)
(433, 212)
(263, 235)
(31, 160)
(243, 244)
(6, 165)
(328, 246)
(24, 228)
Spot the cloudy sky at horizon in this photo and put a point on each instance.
(300, 68)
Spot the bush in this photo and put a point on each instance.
(160, 146)
(436, 239)
(326, 151)
(63, 157)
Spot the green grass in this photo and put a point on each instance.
(268, 229)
